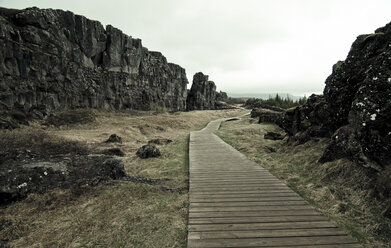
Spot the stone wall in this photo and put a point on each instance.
(54, 59)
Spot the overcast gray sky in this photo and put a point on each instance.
(245, 46)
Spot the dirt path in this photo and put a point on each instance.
(237, 203)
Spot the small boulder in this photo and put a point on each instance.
(148, 151)
(114, 139)
(273, 136)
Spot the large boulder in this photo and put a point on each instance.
(53, 59)
(18, 178)
(202, 94)
(356, 107)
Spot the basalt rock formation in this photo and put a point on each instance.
(356, 107)
(202, 94)
(54, 59)
(221, 96)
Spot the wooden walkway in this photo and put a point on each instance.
(237, 203)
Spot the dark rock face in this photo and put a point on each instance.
(312, 115)
(19, 178)
(358, 93)
(148, 151)
(221, 96)
(202, 94)
(356, 108)
(54, 59)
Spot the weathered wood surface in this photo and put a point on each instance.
(237, 203)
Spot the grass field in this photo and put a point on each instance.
(113, 214)
(339, 189)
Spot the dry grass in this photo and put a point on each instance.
(340, 189)
(115, 214)
(37, 143)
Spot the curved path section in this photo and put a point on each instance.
(236, 203)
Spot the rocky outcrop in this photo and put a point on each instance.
(314, 115)
(221, 96)
(18, 178)
(356, 107)
(54, 59)
(202, 94)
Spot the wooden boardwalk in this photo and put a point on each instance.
(237, 203)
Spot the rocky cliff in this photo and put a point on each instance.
(54, 59)
(356, 107)
(202, 94)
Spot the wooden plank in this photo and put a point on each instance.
(213, 183)
(233, 189)
(321, 246)
(267, 233)
(247, 208)
(270, 242)
(252, 219)
(244, 199)
(261, 226)
(280, 193)
(249, 203)
(236, 185)
(232, 181)
(301, 212)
